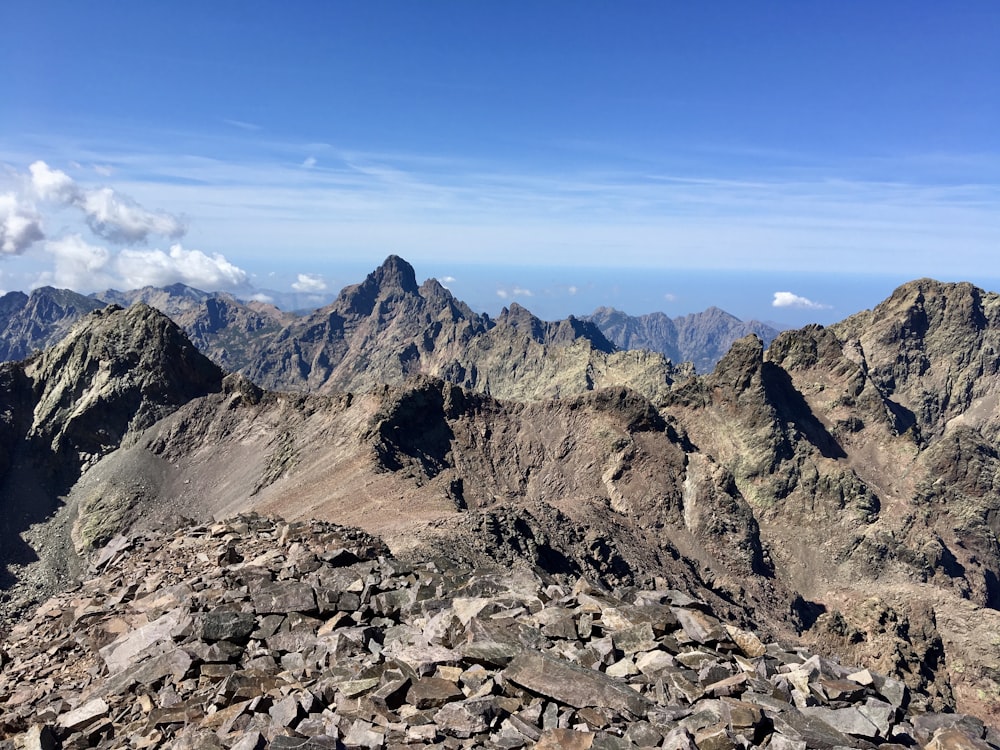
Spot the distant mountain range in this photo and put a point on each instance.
(331, 347)
(700, 338)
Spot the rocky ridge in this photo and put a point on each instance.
(388, 328)
(228, 331)
(255, 633)
(114, 375)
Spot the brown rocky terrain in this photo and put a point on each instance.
(838, 488)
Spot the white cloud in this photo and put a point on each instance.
(448, 279)
(309, 282)
(261, 297)
(53, 184)
(670, 297)
(103, 170)
(119, 219)
(516, 291)
(139, 268)
(20, 225)
(109, 214)
(572, 290)
(310, 162)
(788, 299)
(78, 264)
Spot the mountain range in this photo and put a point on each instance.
(301, 352)
(837, 488)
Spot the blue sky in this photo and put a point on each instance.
(543, 152)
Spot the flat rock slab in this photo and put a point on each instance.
(282, 597)
(84, 715)
(574, 685)
(125, 651)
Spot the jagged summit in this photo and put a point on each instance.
(395, 274)
(931, 346)
(395, 278)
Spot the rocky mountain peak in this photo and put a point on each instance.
(394, 279)
(396, 274)
(12, 302)
(700, 338)
(117, 372)
(520, 317)
(930, 346)
(741, 365)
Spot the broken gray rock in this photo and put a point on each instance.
(289, 646)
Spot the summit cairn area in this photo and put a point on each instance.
(254, 632)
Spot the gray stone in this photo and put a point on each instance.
(895, 692)
(679, 738)
(643, 734)
(846, 720)
(814, 731)
(39, 737)
(432, 692)
(282, 597)
(573, 685)
(682, 687)
(879, 713)
(284, 713)
(125, 651)
(652, 662)
(226, 625)
(635, 639)
(700, 627)
(781, 742)
(466, 718)
(250, 741)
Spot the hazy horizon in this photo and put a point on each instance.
(555, 293)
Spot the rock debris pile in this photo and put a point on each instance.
(254, 633)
